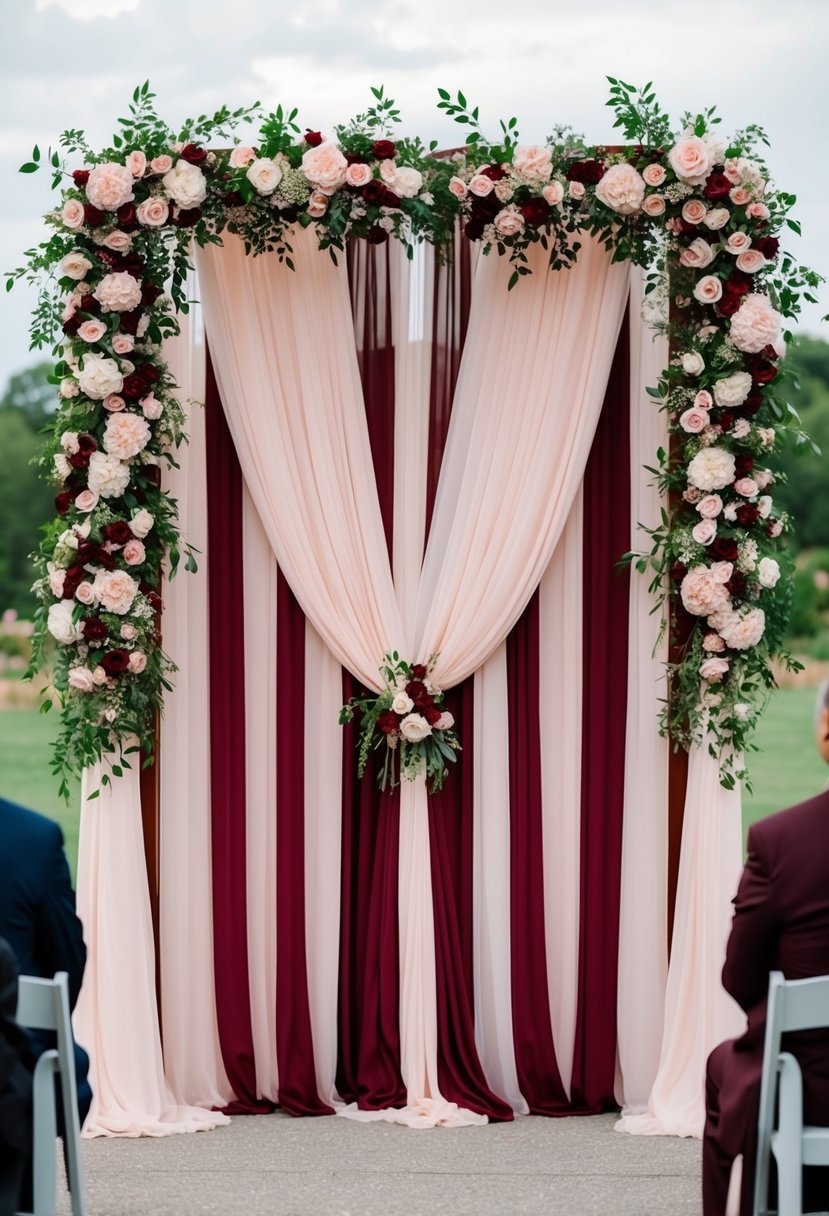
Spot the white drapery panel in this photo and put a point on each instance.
(643, 941)
(287, 370)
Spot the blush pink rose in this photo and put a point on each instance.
(117, 241)
(738, 242)
(128, 632)
(153, 212)
(704, 532)
(116, 590)
(91, 331)
(708, 289)
(654, 204)
(161, 164)
(241, 157)
(553, 193)
(703, 399)
(109, 186)
(717, 218)
(690, 160)
(533, 162)
(757, 211)
(739, 196)
(775, 528)
(114, 403)
(80, 678)
(138, 662)
(458, 187)
(710, 506)
(152, 407)
(72, 213)
(746, 487)
(697, 255)
(713, 670)
(481, 186)
(56, 578)
(654, 175)
(85, 593)
(317, 204)
(388, 171)
(621, 189)
(325, 167)
(750, 261)
(445, 722)
(134, 553)
(713, 643)
(509, 222)
(764, 478)
(358, 175)
(122, 344)
(576, 190)
(694, 211)
(694, 420)
(87, 500)
(136, 162)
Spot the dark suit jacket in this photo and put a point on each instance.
(15, 1062)
(37, 912)
(781, 923)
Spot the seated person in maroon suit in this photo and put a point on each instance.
(781, 923)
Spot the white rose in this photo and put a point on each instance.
(185, 184)
(108, 476)
(99, 377)
(141, 523)
(73, 266)
(415, 728)
(80, 678)
(717, 218)
(768, 572)
(712, 469)
(60, 624)
(402, 703)
(732, 390)
(264, 175)
(407, 181)
(765, 504)
(692, 363)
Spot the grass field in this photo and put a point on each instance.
(787, 768)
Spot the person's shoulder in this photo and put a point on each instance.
(29, 825)
(792, 822)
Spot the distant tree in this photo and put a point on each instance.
(26, 502)
(807, 491)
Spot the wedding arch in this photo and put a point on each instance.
(420, 460)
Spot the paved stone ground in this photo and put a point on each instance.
(280, 1166)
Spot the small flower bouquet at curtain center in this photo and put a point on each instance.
(408, 723)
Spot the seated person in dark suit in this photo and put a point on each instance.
(37, 915)
(15, 1088)
(781, 923)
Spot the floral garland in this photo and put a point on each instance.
(113, 275)
(408, 723)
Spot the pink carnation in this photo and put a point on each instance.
(755, 324)
(109, 186)
(118, 292)
(713, 643)
(241, 157)
(126, 435)
(703, 592)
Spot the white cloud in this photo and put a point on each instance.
(88, 10)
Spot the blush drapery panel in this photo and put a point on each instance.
(324, 521)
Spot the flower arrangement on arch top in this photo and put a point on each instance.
(406, 721)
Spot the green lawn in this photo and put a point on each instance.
(787, 769)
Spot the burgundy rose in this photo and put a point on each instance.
(356, 158)
(686, 227)
(736, 585)
(80, 176)
(768, 246)
(112, 260)
(728, 305)
(86, 443)
(762, 372)
(134, 263)
(474, 230)
(717, 187)
(374, 192)
(418, 671)
(485, 209)
(129, 321)
(118, 532)
(115, 662)
(587, 171)
(384, 149)
(493, 172)
(149, 294)
(79, 460)
(377, 235)
(233, 199)
(188, 217)
(86, 551)
(94, 629)
(89, 304)
(536, 211)
(432, 714)
(752, 403)
(747, 514)
(63, 502)
(744, 463)
(388, 722)
(726, 420)
(737, 284)
(103, 558)
(154, 600)
(92, 216)
(390, 199)
(148, 372)
(419, 693)
(127, 217)
(71, 327)
(313, 138)
(134, 387)
(678, 572)
(724, 548)
(193, 154)
(72, 580)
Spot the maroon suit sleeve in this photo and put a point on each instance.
(752, 946)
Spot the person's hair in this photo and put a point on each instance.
(822, 701)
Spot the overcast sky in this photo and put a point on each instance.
(74, 63)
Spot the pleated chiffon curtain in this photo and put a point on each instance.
(408, 456)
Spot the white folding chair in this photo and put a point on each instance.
(44, 1005)
(793, 1005)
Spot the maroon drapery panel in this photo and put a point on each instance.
(605, 643)
(227, 756)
